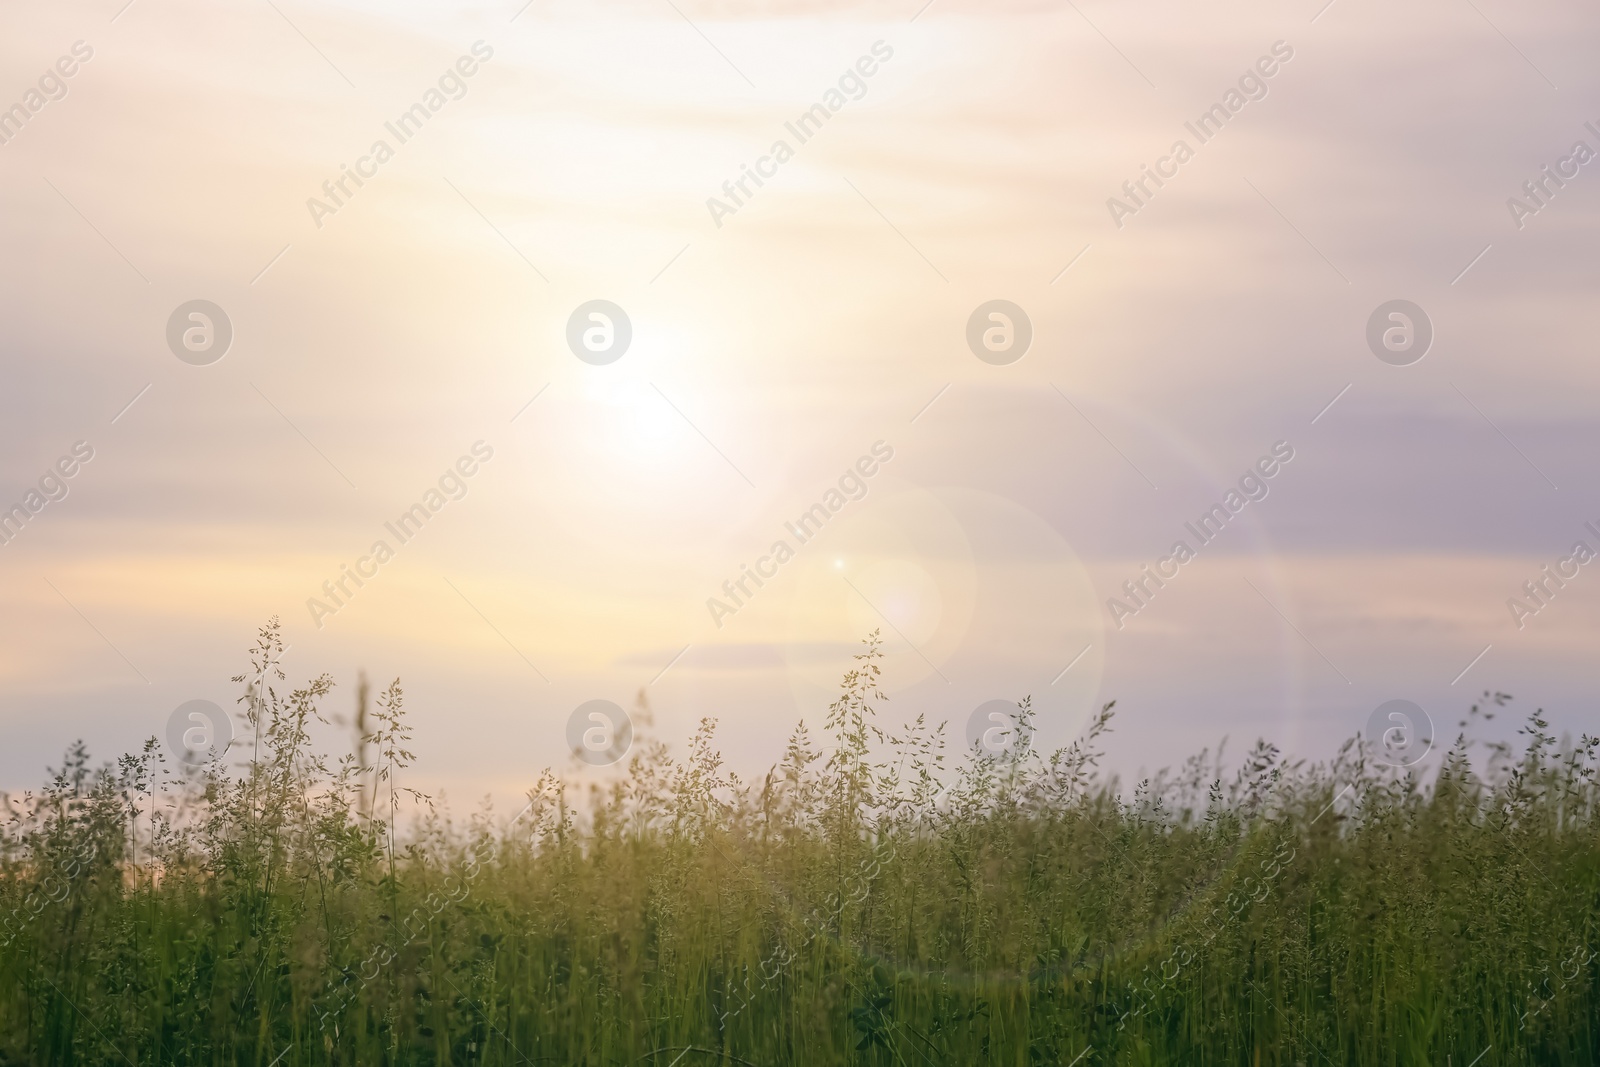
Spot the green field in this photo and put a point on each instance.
(876, 898)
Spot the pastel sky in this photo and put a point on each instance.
(1174, 345)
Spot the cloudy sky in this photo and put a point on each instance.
(1179, 335)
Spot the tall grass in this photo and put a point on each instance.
(863, 903)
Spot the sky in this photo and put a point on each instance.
(361, 349)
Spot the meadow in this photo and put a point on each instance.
(879, 897)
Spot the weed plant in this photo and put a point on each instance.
(874, 899)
